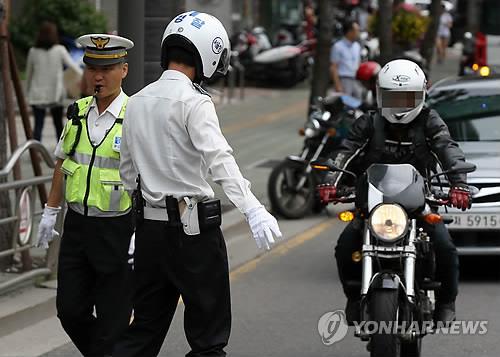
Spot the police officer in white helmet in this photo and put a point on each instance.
(171, 142)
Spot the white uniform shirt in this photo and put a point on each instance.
(98, 124)
(171, 136)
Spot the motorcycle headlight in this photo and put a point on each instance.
(326, 116)
(309, 133)
(388, 222)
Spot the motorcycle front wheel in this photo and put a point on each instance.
(285, 199)
(412, 349)
(383, 307)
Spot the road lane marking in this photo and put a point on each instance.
(267, 118)
(282, 248)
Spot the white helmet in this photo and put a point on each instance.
(401, 87)
(204, 36)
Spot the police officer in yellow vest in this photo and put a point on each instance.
(93, 270)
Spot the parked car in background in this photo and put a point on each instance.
(470, 106)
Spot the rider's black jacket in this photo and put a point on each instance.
(423, 143)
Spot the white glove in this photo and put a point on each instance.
(263, 226)
(46, 231)
(131, 250)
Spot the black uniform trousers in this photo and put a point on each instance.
(447, 269)
(93, 273)
(169, 264)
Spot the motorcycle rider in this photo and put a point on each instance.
(402, 130)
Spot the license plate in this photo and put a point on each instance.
(475, 221)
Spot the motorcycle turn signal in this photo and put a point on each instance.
(346, 216)
(433, 218)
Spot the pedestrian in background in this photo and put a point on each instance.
(345, 58)
(444, 34)
(44, 77)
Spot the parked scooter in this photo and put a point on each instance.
(285, 65)
(291, 185)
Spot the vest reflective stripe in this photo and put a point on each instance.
(95, 212)
(100, 162)
(93, 184)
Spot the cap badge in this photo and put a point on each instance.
(100, 42)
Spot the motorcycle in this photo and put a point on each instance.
(397, 256)
(291, 185)
(286, 64)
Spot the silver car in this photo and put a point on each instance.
(471, 109)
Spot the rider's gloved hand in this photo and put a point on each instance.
(327, 193)
(460, 196)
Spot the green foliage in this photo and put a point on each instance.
(73, 18)
(407, 26)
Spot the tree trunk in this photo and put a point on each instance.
(5, 205)
(429, 42)
(385, 30)
(321, 70)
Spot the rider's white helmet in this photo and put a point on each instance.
(401, 88)
(204, 36)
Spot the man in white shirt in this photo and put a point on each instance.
(345, 57)
(172, 139)
(93, 273)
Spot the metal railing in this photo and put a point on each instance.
(24, 213)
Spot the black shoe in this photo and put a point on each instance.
(445, 313)
(353, 311)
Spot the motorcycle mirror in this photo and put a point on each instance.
(461, 167)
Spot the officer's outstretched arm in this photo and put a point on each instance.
(206, 136)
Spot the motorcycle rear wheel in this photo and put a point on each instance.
(383, 307)
(285, 201)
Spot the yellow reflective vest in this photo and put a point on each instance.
(93, 185)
